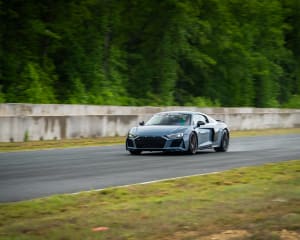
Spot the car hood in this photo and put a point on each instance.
(157, 130)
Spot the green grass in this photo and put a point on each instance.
(261, 202)
(265, 132)
(102, 141)
(64, 143)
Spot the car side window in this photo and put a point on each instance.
(198, 118)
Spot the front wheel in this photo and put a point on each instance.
(193, 144)
(224, 143)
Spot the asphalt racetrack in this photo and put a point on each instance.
(33, 174)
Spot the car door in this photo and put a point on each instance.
(203, 133)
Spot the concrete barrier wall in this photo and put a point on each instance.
(55, 121)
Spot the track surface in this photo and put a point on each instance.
(32, 174)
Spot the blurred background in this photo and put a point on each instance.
(194, 53)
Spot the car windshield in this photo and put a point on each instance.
(180, 119)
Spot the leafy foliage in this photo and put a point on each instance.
(2, 96)
(294, 102)
(204, 53)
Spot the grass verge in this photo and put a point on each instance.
(63, 143)
(102, 141)
(261, 202)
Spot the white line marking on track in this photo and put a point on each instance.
(144, 183)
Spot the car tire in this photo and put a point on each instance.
(193, 144)
(135, 152)
(224, 143)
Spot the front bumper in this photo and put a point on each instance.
(155, 143)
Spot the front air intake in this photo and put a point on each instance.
(150, 142)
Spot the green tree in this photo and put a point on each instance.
(290, 83)
(2, 95)
(33, 89)
(214, 52)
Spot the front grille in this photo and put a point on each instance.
(129, 143)
(176, 143)
(150, 142)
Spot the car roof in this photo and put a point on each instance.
(183, 112)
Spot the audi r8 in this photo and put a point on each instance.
(183, 131)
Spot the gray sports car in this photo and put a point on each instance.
(178, 131)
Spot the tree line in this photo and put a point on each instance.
(169, 52)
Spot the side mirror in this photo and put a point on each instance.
(142, 123)
(200, 123)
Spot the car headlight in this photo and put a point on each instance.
(175, 135)
(131, 135)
